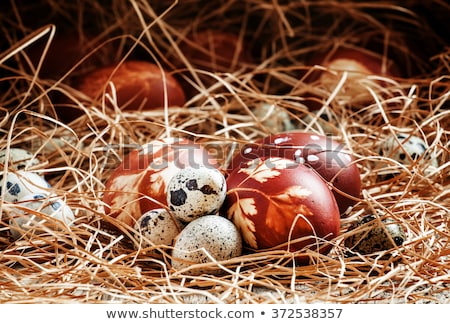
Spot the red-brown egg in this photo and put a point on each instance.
(139, 85)
(359, 64)
(279, 203)
(139, 183)
(215, 50)
(325, 155)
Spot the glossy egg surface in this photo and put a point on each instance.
(278, 202)
(326, 156)
(139, 183)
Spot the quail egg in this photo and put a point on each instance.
(407, 149)
(156, 226)
(195, 192)
(375, 235)
(22, 183)
(203, 240)
(18, 159)
(33, 209)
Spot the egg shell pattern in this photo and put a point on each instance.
(139, 183)
(158, 227)
(38, 204)
(215, 234)
(195, 192)
(372, 236)
(18, 159)
(406, 149)
(21, 184)
(325, 155)
(278, 203)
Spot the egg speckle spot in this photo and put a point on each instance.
(210, 235)
(194, 192)
(178, 197)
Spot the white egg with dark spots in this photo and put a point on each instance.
(374, 235)
(407, 149)
(195, 192)
(20, 184)
(156, 227)
(36, 210)
(204, 240)
(18, 159)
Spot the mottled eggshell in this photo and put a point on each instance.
(195, 192)
(206, 237)
(156, 227)
(278, 203)
(407, 149)
(18, 159)
(374, 235)
(22, 183)
(326, 156)
(35, 209)
(139, 183)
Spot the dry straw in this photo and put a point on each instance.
(88, 263)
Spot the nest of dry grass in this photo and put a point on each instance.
(90, 264)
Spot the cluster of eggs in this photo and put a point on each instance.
(287, 191)
(32, 204)
(170, 191)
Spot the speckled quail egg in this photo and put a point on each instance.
(210, 236)
(372, 234)
(406, 149)
(275, 118)
(19, 184)
(32, 210)
(155, 227)
(195, 192)
(18, 159)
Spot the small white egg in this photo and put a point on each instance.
(156, 227)
(407, 150)
(195, 192)
(32, 216)
(18, 159)
(20, 184)
(206, 237)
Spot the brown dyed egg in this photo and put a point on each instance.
(279, 203)
(325, 155)
(139, 183)
(358, 64)
(215, 50)
(139, 85)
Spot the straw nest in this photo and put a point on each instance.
(91, 264)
